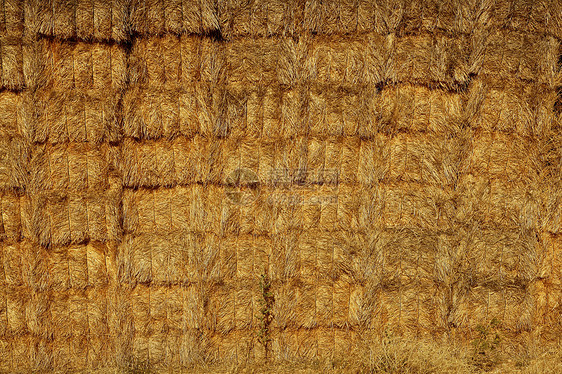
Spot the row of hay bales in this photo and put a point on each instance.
(389, 165)
(117, 19)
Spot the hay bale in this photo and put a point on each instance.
(152, 114)
(410, 108)
(12, 19)
(346, 61)
(173, 60)
(73, 116)
(157, 17)
(20, 62)
(14, 155)
(541, 17)
(83, 19)
(525, 109)
(510, 157)
(509, 204)
(71, 168)
(12, 57)
(83, 66)
(273, 18)
(146, 258)
(255, 18)
(500, 259)
(529, 57)
(12, 205)
(11, 115)
(480, 305)
(399, 205)
(334, 112)
(64, 218)
(435, 60)
(409, 309)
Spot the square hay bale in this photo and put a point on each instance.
(409, 108)
(404, 205)
(142, 319)
(418, 17)
(13, 265)
(409, 309)
(341, 112)
(285, 261)
(160, 259)
(83, 19)
(20, 61)
(245, 259)
(511, 307)
(522, 108)
(169, 163)
(547, 298)
(60, 219)
(17, 299)
(325, 337)
(247, 305)
(151, 113)
(11, 216)
(173, 61)
(407, 255)
(78, 168)
(246, 66)
(345, 61)
(235, 346)
(295, 304)
(81, 266)
(498, 202)
(73, 115)
(157, 17)
(526, 56)
(145, 212)
(549, 259)
(271, 113)
(373, 160)
(11, 114)
(260, 18)
(290, 344)
(83, 66)
(12, 20)
(14, 155)
(441, 60)
(509, 157)
(528, 16)
(25, 265)
(221, 312)
(429, 159)
(499, 258)
(331, 17)
(12, 56)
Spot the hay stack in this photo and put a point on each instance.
(378, 165)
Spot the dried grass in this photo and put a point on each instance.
(379, 165)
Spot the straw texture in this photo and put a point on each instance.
(187, 182)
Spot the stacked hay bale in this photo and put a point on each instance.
(186, 182)
(503, 216)
(174, 255)
(60, 119)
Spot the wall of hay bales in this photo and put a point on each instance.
(186, 181)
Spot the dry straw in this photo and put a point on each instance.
(210, 182)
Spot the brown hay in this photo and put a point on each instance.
(158, 17)
(82, 19)
(83, 65)
(186, 183)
